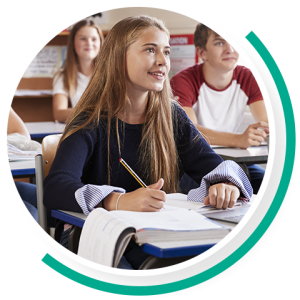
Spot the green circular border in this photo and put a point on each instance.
(286, 86)
(256, 38)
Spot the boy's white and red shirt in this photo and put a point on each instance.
(216, 109)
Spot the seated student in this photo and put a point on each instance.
(26, 190)
(127, 111)
(215, 93)
(70, 82)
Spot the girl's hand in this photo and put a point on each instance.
(222, 195)
(149, 199)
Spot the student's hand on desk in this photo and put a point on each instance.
(222, 195)
(254, 135)
(150, 199)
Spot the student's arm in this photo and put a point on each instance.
(259, 112)
(251, 137)
(16, 125)
(220, 182)
(150, 199)
(60, 108)
(63, 188)
(214, 137)
(256, 133)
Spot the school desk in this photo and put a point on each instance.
(162, 254)
(38, 130)
(251, 155)
(24, 168)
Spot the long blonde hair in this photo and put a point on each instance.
(106, 96)
(71, 68)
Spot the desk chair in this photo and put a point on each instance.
(43, 163)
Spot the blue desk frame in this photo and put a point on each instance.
(175, 252)
(21, 169)
(23, 172)
(42, 135)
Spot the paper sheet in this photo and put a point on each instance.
(181, 220)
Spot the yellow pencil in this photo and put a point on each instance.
(138, 179)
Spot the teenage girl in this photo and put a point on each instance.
(127, 112)
(69, 83)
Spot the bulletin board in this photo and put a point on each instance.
(183, 52)
(46, 63)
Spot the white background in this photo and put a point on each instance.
(28, 29)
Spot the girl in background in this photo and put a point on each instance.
(69, 83)
(126, 111)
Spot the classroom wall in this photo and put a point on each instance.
(176, 23)
(36, 109)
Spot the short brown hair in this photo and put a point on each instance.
(201, 35)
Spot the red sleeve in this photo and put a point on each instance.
(249, 84)
(185, 87)
(255, 94)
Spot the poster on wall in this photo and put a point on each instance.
(183, 52)
(46, 63)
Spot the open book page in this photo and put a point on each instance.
(99, 236)
(182, 243)
(179, 220)
(180, 200)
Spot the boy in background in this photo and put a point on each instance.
(215, 93)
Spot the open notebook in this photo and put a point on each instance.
(180, 200)
(232, 215)
(105, 235)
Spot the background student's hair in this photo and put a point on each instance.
(201, 35)
(106, 97)
(71, 65)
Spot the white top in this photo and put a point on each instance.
(82, 82)
(215, 113)
(216, 109)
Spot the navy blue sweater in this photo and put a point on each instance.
(82, 159)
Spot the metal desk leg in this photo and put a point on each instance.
(73, 239)
(39, 174)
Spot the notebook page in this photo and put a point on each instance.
(180, 219)
(180, 200)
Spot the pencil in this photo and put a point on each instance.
(138, 179)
